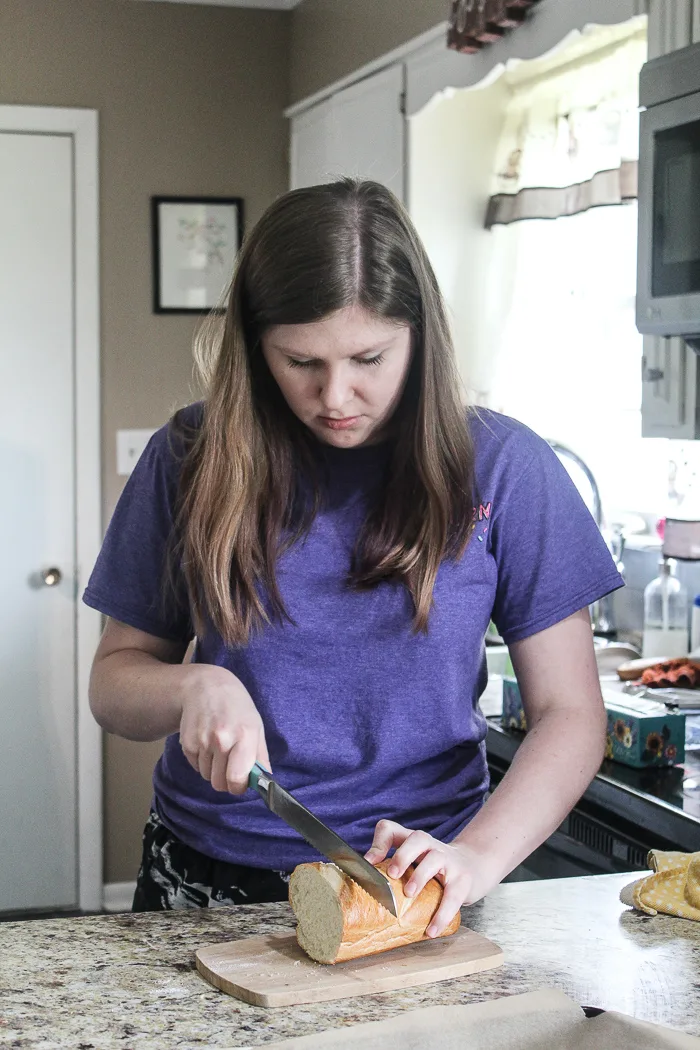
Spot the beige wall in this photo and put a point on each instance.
(331, 38)
(190, 102)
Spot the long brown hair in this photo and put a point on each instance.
(316, 251)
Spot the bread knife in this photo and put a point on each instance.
(319, 836)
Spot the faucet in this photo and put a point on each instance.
(564, 450)
(601, 611)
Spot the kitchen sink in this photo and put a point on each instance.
(609, 656)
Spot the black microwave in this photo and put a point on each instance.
(668, 276)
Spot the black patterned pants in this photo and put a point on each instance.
(173, 875)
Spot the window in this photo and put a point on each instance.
(569, 363)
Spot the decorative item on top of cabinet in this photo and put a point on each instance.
(474, 23)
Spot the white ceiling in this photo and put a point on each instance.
(268, 5)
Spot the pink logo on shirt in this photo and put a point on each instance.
(482, 513)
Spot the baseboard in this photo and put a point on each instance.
(117, 896)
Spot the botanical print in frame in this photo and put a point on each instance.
(195, 244)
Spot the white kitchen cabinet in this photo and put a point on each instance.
(670, 372)
(670, 378)
(310, 156)
(358, 131)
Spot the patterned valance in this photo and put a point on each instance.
(618, 186)
(475, 23)
(570, 138)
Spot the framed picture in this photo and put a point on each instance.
(195, 244)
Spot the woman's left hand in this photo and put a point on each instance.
(463, 871)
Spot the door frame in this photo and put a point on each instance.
(81, 126)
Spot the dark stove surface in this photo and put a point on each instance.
(677, 787)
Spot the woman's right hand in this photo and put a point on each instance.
(221, 732)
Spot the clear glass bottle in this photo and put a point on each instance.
(665, 615)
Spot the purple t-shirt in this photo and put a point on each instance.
(363, 718)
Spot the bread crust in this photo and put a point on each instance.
(368, 928)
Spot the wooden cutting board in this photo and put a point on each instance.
(273, 970)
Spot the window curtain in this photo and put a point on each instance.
(566, 136)
(561, 351)
(570, 140)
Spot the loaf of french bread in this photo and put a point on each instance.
(338, 920)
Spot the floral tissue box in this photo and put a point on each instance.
(513, 716)
(643, 732)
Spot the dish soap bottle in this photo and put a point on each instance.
(665, 615)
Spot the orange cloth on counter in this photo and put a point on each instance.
(673, 888)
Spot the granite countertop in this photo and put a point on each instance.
(128, 981)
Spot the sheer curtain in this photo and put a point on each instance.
(571, 137)
(563, 352)
(569, 354)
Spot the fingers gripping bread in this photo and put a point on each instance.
(338, 920)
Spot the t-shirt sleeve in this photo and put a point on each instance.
(550, 555)
(131, 580)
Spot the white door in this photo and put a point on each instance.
(359, 131)
(38, 711)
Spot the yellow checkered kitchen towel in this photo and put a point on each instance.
(673, 888)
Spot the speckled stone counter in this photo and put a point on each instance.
(129, 981)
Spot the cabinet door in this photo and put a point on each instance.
(670, 368)
(368, 130)
(358, 131)
(670, 378)
(311, 142)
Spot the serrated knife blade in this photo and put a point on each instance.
(321, 837)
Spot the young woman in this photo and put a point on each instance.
(336, 530)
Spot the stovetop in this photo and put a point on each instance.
(677, 786)
(666, 799)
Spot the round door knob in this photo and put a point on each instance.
(51, 577)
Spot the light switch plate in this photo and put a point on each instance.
(130, 445)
